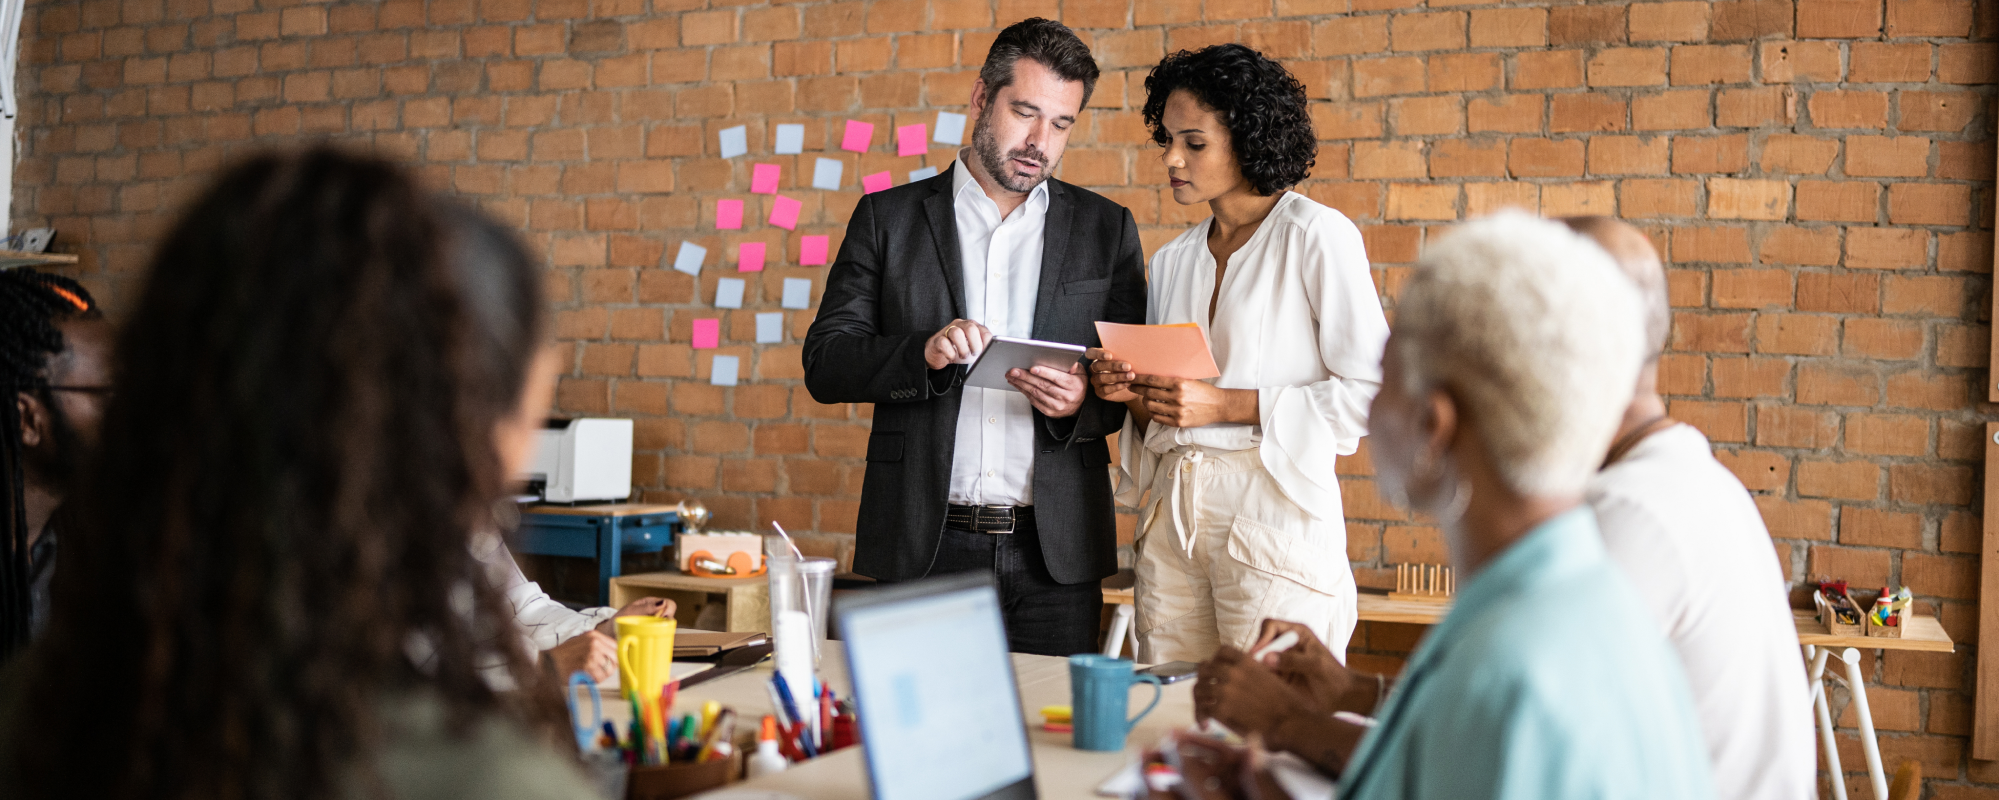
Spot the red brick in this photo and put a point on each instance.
(1848, 293)
(1929, 204)
(1883, 339)
(1839, 19)
(1586, 24)
(1751, 377)
(1928, 483)
(1751, 288)
(1557, 69)
(1706, 64)
(1736, 198)
(1789, 426)
(1759, 470)
(1935, 111)
(1796, 519)
(1849, 109)
(1629, 66)
(1750, 19)
(1887, 435)
(1890, 62)
(1784, 62)
(1886, 248)
(1573, 113)
(1857, 567)
(1674, 110)
(1839, 201)
(1838, 386)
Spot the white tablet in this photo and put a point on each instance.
(1004, 353)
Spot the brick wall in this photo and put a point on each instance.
(1819, 174)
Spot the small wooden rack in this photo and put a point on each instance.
(1424, 583)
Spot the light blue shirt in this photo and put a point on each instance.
(1547, 680)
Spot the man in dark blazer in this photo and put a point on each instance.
(961, 478)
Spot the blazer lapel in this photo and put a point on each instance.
(944, 232)
(1054, 250)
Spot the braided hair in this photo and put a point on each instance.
(31, 303)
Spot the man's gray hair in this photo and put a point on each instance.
(1537, 336)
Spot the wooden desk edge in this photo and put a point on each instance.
(601, 510)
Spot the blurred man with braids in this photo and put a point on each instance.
(54, 378)
(322, 391)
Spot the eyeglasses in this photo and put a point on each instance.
(97, 391)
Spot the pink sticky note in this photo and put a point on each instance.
(875, 183)
(912, 140)
(812, 250)
(784, 212)
(729, 214)
(763, 178)
(750, 257)
(859, 136)
(707, 334)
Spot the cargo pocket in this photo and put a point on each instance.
(1287, 554)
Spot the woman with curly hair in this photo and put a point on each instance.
(272, 591)
(1244, 520)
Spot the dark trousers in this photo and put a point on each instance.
(1042, 617)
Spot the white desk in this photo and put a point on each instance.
(1060, 771)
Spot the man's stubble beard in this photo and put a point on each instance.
(986, 146)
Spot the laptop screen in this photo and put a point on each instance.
(939, 712)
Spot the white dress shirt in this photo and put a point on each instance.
(994, 460)
(1693, 542)
(1299, 321)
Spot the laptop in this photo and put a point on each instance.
(939, 710)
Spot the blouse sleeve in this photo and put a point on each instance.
(1133, 473)
(1306, 427)
(544, 622)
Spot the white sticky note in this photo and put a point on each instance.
(790, 139)
(797, 293)
(920, 174)
(950, 128)
(689, 258)
(723, 372)
(729, 293)
(770, 327)
(735, 141)
(826, 173)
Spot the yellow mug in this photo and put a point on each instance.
(645, 655)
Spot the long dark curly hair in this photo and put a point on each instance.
(1263, 105)
(275, 538)
(31, 305)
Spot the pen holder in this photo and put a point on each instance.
(1829, 607)
(1896, 621)
(669, 781)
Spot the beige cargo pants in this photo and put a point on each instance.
(1220, 549)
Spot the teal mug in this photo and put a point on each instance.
(1099, 696)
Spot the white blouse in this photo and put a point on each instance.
(1299, 321)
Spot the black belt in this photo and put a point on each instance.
(986, 519)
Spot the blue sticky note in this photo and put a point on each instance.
(735, 141)
(950, 128)
(920, 174)
(826, 173)
(770, 327)
(723, 372)
(689, 258)
(790, 139)
(729, 293)
(797, 293)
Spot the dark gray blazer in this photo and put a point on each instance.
(899, 279)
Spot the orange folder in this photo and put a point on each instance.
(1173, 351)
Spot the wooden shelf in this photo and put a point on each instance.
(16, 258)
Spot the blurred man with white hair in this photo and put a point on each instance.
(1692, 541)
(1514, 353)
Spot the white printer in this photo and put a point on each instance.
(582, 460)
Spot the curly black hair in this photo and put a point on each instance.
(1259, 100)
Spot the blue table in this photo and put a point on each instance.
(602, 532)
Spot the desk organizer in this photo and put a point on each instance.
(670, 781)
(1842, 616)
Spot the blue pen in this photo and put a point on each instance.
(791, 709)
